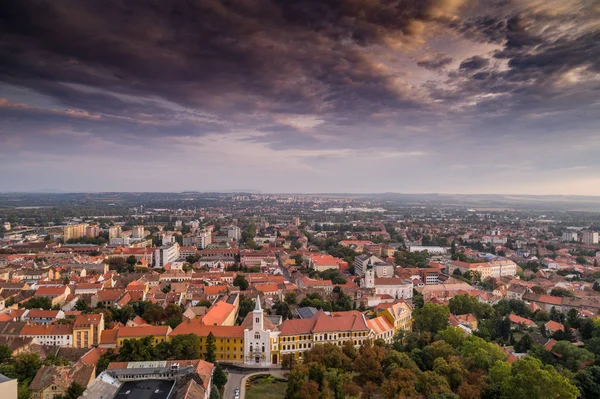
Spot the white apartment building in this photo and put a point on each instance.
(569, 236)
(166, 254)
(137, 232)
(234, 233)
(114, 232)
(590, 237)
(204, 239)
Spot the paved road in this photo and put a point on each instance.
(236, 379)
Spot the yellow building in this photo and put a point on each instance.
(297, 336)
(399, 315)
(87, 330)
(158, 333)
(229, 340)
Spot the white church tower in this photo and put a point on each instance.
(257, 341)
(369, 278)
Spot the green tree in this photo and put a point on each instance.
(282, 309)
(219, 376)
(214, 393)
(431, 318)
(241, 282)
(211, 349)
(185, 347)
(137, 350)
(290, 298)
(296, 380)
(479, 354)
(82, 306)
(524, 344)
(5, 353)
(530, 379)
(38, 302)
(73, 392)
(108, 357)
(455, 336)
(430, 383)
(588, 382)
(571, 356)
(246, 306)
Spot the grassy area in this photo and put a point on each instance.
(265, 387)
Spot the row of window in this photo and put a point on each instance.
(324, 337)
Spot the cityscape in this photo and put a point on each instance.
(241, 294)
(301, 199)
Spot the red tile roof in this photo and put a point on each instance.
(143, 331)
(218, 313)
(196, 326)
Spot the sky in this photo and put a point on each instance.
(411, 96)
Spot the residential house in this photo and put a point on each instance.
(87, 330)
(51, 381)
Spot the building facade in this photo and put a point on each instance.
(260, 345)
(166, 254)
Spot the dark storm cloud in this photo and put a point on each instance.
(435, 61)
(222, 56)
(474, 63)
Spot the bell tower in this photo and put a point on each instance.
(257, 315)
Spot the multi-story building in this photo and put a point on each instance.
(495, 268)
(323, 262)
(92, 231)
(394, 286)
(160, 378)
(87, 330)
(229, 340)
(50, 334)
(590, 237)
(158, 333)
(430, 275)
(114, 232)
(234, 233)
(204, 239)
(41, 316)
(381, 268)
(74, 231)
(166, 254)
(569, 236)
(137, 231)
(501, 268)
(297, 336)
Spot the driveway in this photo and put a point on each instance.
(234, 380)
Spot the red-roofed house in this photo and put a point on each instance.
(57, 295)
(552, 326)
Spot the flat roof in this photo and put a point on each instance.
(145, 389)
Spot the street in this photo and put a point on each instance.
(234, 379)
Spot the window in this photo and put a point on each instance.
(258, 320)
(257, 336)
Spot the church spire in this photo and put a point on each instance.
(257, 307)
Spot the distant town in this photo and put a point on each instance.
(211, 295)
